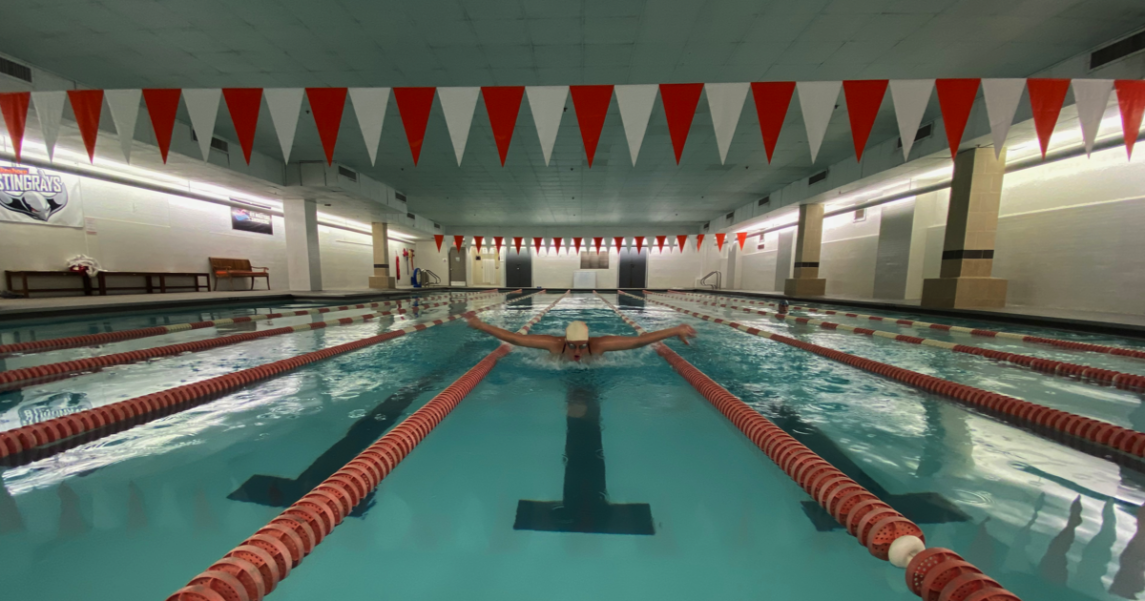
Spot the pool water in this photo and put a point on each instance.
(610, 481)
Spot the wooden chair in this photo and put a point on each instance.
(237, 268)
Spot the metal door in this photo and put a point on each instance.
(456, 267)
(519, 267)
(633, 269)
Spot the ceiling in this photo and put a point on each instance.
(210, 43)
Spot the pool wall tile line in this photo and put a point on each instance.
(255, 567)
(888, 535)
(44, 439)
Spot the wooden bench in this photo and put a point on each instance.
(149, 281)
(237, 268)
(26, 290)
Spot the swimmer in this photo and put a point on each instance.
(576, 345)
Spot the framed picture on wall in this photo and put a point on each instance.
(593, 260)
(248, 220)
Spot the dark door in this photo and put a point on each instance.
(456, 267)
(633, 268)
(520, 269)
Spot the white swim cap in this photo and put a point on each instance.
(577, 331)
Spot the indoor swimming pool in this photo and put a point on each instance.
(611, 480)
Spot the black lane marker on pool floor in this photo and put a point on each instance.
(585, 507)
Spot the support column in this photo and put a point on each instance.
(971, 225)
(808, 240)
(381, 278)
(303, 263)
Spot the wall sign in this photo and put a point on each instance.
(248, 220)
(40, 197)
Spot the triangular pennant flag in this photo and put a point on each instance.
(87, 105)
(772, 99)
(682, 241)
(50, 111)
(635, 104)
(498, 241)
(817, 101)
(639, 243)
(458, 104)
(680, 100)
(438, 239)
(576, 243)
(162, 104)
(619, 241)
(370, 107)
(955, 99)
(1091, 97)
(14, 106)
(1131, 101)
(660, 243)
(725, 101)
(864, 97)
(244, 105)
(557, 244)
(1046, 98)
(910, 97)
(591, 106)
(124, 105)
(699, 241)
(327, 105)
(203, 107)
(458, 241)
(503, 104)
(414, 105)
(547, 104)
(517, 243)
(598, 241)
(284, 105)
(1002, 97)
(741, 237)
(477, 240)
(720, 241)
(537, 242)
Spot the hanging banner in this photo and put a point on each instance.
(619, 241)
(124, 105)
(772, 99)
(458, 241)
(1091, 97)
(635, 104)
(725, 102)
(639, 243)
(576, 242)
(1046, 99)
(955, 99)
(680, 100)
(720, 241)
(660, 243)
(87, 106)
(517, 243)
(741, 237)
(246, 220)
(591, 106)
(370, 107)
(910, 97)
(50, 111)
(682, 241)
(38, 196)
(162, 105)
(864, 97)
(547, 103)
(503, 104)
(699, 241)
(457, 104)
(557, 244)
(1002, 97)
(598, 242)
(438, 238)
(1131, 102)
(477, 240)
(498, 241)
(537, 242)
(284, 105)
(14, 106)
(414, 105)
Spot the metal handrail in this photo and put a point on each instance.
(436, 280)
(704, 280)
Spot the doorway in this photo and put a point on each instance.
(456, 268)
(519, 270)
(633, 269)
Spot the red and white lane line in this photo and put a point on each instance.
(50, 372)
(33, 439)
(1066, 344)
(886, 533)
(1092, 430)
(1085, 373)
(256, 566)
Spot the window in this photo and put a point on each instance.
(590, 259)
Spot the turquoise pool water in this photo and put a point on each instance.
(136, 514)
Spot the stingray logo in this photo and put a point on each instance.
(32, 192)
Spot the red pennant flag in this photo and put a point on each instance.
(327, 105)
(720, 241)
(619, 241)
(1130, 98)
(864, 97)
(414, 105)
(576, 242)
(598, 242)
(438, 238)
(741, 237)
(557, 244)
(680, 100)
(503, 104)
(660, 243)
(244, 104)
(955, 99)
(87, 106)
(537, 242)
(14, 105)
(162, 104)
(772, 99)
(682, 241)
(1046, 99)
(477, 240)
(517, 242)
(591, 106)
(639, 243)
(458, 241)
(497, 241)
(699, 241)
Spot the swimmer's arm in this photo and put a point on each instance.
(605, 344)
(526, 340)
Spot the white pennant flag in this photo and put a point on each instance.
(458, 105)
(547, 104)
(284, 105)
(203, 107)
(124, 105)
(910, 97)
(817, 101)
(1002, 97)
(50, 110)
(725, 100)
(1092, 98)
(370, 106)
(635, 103)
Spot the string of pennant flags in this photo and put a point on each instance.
(598, 242)
(817, 101)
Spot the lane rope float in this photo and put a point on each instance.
(1066, 344)
(1084, 373)
(1102, 433)
(50, 372)
(255, 567)
(32, 442)
(886, 533)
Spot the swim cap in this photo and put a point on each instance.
(576, 332)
